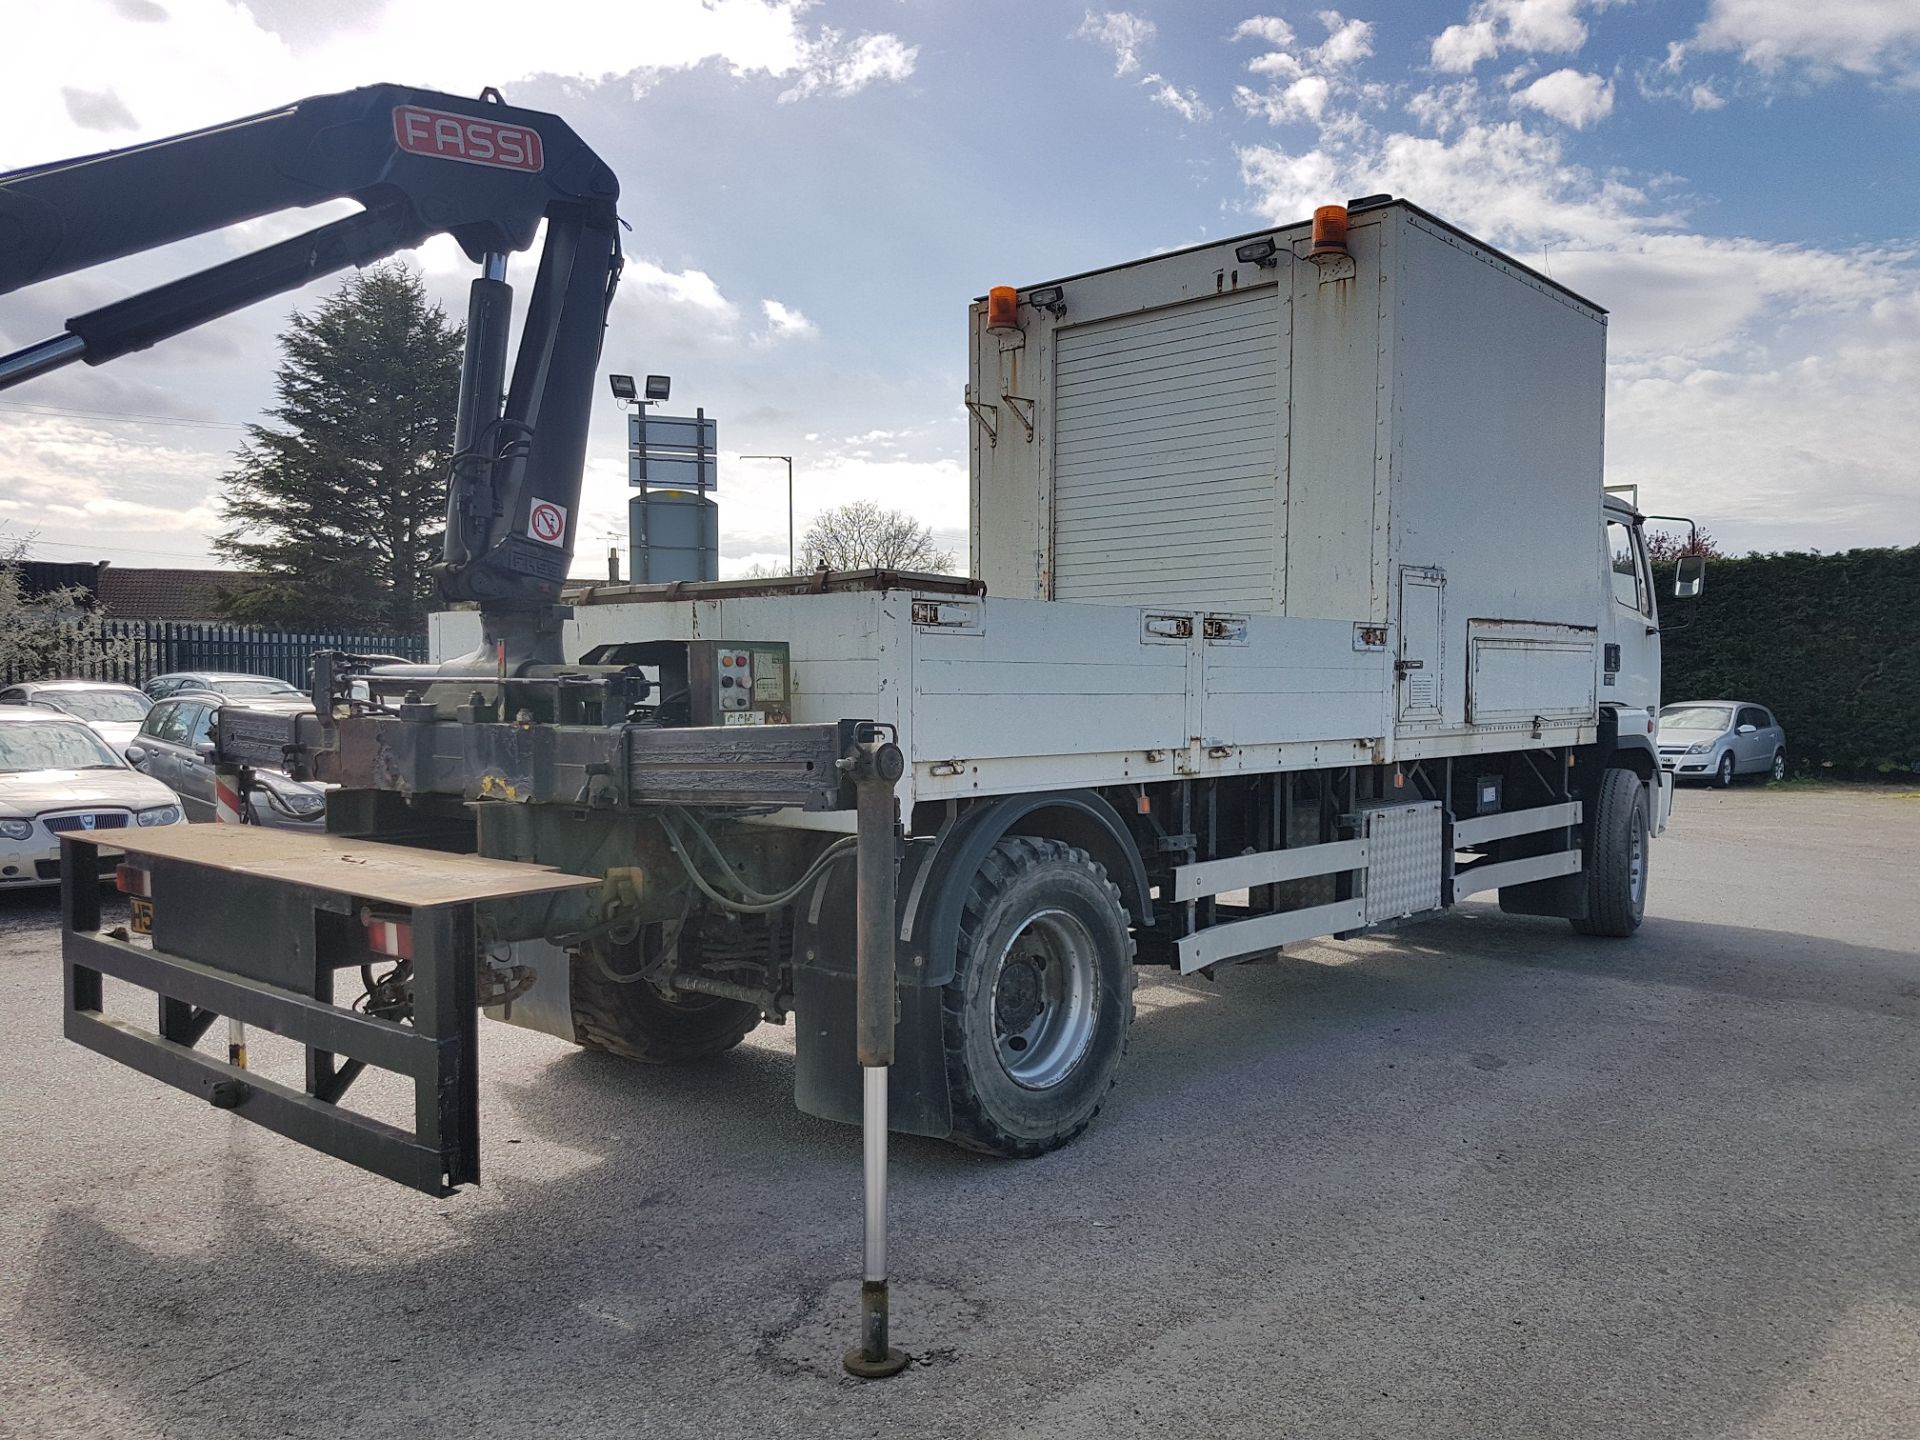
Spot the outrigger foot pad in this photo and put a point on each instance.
(892, 1362)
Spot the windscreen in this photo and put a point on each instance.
(107, 706)
(54, 746)
(1696, 717)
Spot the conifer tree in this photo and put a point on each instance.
(342, 503)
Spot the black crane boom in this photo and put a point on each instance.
(420, 163)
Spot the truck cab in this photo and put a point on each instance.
(1630, 655)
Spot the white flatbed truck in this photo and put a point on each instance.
(1297, 609)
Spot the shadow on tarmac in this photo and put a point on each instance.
(1480, 1109)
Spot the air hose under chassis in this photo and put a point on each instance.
(622, 928)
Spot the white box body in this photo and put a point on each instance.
(1268, 518)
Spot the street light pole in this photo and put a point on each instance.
(789, 460)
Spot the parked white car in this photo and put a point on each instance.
(115, 711)
(1718, 739)
(57, 775)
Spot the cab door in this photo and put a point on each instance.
(1631, 666)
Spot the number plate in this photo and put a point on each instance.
(142, 914)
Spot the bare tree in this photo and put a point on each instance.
(1665, 546)
(54, 634)
(861, 536)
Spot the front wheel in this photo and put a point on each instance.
(1723, 776)
(1618, 840)
(1036, 1015)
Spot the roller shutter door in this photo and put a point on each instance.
(1166, 456)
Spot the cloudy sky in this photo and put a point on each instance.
(817, 189)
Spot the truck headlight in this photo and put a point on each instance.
(1700, 747)
(162, 815)
(17, 829)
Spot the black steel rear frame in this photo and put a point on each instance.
(264, 988)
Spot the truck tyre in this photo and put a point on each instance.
(1616, 857)
(1036, 1015)
(638, 1022)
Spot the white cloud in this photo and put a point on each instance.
(1569, 96)
(1184, 103)
(1492, 26)
(209, 60)
(1304, 78)
(1270, 28)
(1459, 48)
(1811, 448)
(1765, 387)
(784, 322)
(76, 483)
(1863, 37)
(1128, 36)
(1121, 31)
(689, 289)
(835, 65)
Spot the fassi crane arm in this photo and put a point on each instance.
(421, 163)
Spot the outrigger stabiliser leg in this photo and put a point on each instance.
(875, 768)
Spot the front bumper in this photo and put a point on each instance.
(35, 861)
(1690, 767)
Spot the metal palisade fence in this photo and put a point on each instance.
(133, 651)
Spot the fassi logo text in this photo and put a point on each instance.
(446, 136)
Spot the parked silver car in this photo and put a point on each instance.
(1718, 739)
(57, 775)
(175, 745)
(230, 683)
(114, 711)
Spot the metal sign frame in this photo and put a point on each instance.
(679, 452)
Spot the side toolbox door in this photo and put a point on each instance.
(1420, 662)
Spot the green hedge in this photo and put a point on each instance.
(1831, 643)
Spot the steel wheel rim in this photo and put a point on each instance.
(1045, 989)
(1637, 869)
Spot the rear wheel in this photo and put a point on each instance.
(1618, 842)
(1723, 775)
(1037, 1011)
(1779, 771)
(634, 1020)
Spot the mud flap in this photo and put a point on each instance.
(826, 1076)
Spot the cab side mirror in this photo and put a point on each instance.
(1689, 576)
